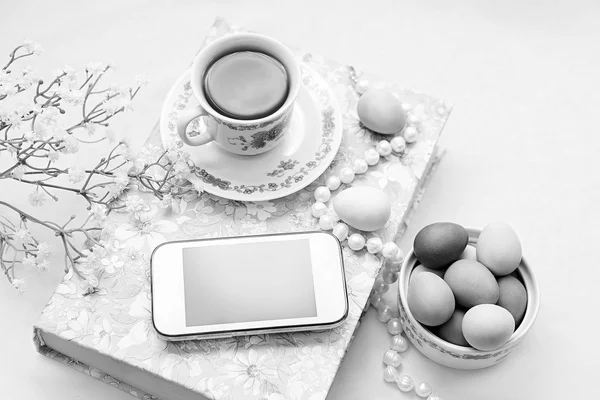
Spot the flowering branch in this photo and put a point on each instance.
(35, 137)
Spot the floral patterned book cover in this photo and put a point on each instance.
(108, 333)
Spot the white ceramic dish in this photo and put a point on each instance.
(313, 138)
(460, 357)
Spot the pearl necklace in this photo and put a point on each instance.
(390, 252)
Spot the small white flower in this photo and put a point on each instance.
(262, 209)
(29, 261)
(20, 285)
(166, 201)
(8, 90)
(90, 128)
(14, 119)
(141, 80)
(4, 112)
(71, 96)
(70, 145)
(43, 265)
(53, 155)
(59, 134)
(48, 117)
(69, 72)
(121, 179)
(31, 136)
(33, 47)
(98, 212)
(203, 210)
(145, 230)
(110, 135)
(23, 236)
(95, 67)
(133, 256)
(112, 264)
(111, 107)
(43, 251)
(36, 109)
(27, 70)
(76, 174)
(134, 203)
(18, 172)
(37, 198)
(12, 151)
(182, 170)
(24, 83)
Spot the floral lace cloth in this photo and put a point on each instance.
(116, 321)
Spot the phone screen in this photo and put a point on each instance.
(246, 282)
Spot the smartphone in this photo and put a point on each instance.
(246, 285)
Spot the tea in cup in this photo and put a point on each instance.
(246, 85)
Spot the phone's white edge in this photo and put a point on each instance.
(225, 335)
(330, 312)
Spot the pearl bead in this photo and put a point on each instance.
(434, 396)
(360, 166)
(405, 383)
(399, 257)
(333, 183)
(371, 157)
(410, 134)
(318, 209)
(383, 148)
(340, 230)
(347, 175)
(356, 241)
(374, 245)
(326, 222)
(423, 390)
(398, 144)
(376, 300)
(322, 194)
(392, 265)
(392, 358)
(394, 326)
(390, 374)
(388, 276)
(413, 119)
(380, 286)
(390, 249)
(384, 314)
(362, 86)
(399, 343)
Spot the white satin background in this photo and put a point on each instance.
(522, 141)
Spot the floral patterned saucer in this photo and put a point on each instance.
(311, 142)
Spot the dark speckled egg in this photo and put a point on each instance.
(440, 244)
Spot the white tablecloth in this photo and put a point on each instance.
(522, 147)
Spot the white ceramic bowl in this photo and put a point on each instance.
(449, 354)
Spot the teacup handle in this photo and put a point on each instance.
(184, 120)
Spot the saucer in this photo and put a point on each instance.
(309, 145)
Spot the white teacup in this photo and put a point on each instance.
(240, 136)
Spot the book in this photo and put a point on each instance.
(107, 333)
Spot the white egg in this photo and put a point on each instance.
(381, 112)
(365, 208)
(499, 248)
(488, 326)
